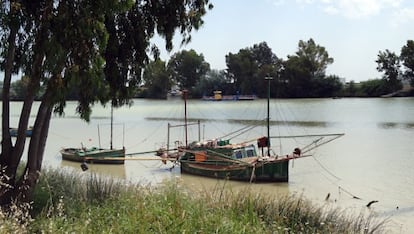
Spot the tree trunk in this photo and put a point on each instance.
(11, 159)
(6, 144)
(26, 184)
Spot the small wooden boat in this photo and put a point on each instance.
(238, 97)
(234, 162)
(13, 132)
(222, 160)
(94, 155)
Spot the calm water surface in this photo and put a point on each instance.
(373, 161)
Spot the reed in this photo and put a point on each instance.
(66, 202)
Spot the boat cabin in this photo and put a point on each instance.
(223, 147)
(245, 152)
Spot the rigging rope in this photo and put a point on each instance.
(336, 177)
(231, 133)
(242, 132)
(350, 194)
(323, 167)
(304, 149)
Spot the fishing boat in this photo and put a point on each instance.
(219, 97)
(221, 159)
(96, 154)
(234, 162)
(241, 161)
(28, 133)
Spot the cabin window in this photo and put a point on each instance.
(238, 154)
(250, 151)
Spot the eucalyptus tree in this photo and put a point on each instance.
(407, 59)
(95, 48)
(296, 77)
(315, 57)
(187, 67)
(248, 68)
(242, 69)
(389, 63)
(156, 79)
(303, 71)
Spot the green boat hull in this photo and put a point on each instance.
(222, 163)
(261, 172)
(94, 155)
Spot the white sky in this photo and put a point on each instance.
(352, 31)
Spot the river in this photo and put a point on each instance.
(373, 161)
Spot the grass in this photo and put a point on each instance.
(71, 203)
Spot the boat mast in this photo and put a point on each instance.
(268, 78)
(112, 119)
(185, 116)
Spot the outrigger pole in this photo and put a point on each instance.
(112, 122)
(268, 78)
(182, 125)
(186, 124)
(185, 116)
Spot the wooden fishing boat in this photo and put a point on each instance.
(13, 132)
(237, 97)
(223, 160)
(94, 155)
(234, 162)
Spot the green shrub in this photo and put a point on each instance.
(66, 202)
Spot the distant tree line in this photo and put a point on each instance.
(302, 75)
(396, 69)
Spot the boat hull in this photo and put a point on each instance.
(94, 155)
(262, 171)
(13, 132)
(230, 98)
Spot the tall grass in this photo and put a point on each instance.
(72, 203)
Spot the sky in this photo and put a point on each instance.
(352, 31)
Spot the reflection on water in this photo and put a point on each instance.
(373, 161)
(387, 125)
(116, 171)
(203, 184)
(281, 123)
(397, 210)
(249, 122)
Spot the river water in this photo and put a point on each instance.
(373, 161)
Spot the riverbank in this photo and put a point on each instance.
(86, 203)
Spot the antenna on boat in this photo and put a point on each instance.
(112, 119)
(185, 92)
(268, 78)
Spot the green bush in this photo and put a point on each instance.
(66, 202)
